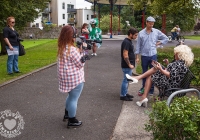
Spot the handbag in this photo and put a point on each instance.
(21, 50)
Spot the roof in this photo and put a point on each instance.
(118, 2)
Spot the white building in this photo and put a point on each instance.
(63, 12)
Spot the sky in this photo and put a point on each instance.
(83, 4)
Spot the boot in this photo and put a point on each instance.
(65, 116)
(73, 122)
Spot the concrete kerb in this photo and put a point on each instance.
(25, 75)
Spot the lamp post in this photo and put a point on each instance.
(112, 2)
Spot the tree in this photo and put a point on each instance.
(179, 12)
(24, 11)
(105, 23)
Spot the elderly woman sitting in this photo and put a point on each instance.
(169, 77)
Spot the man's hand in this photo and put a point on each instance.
(131, 66)
(137, 60)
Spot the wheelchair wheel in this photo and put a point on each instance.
(181, 40)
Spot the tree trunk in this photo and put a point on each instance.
(3, 45)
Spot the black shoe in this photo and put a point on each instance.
(65, 116)
(73, 122)
(10, 73)
(129, 96)
(125, 98)
(17, 72)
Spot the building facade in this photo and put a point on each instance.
(63, 12)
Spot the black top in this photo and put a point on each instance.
(127, 45)
(11, 35)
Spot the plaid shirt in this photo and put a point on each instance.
(70, 70)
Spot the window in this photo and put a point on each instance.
(87, 17)
(70, 6)
(63, 5)
(63, 16)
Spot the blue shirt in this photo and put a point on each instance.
(146, 43)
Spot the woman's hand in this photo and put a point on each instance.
(11, 48)
(166, 61)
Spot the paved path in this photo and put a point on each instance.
(104, 116)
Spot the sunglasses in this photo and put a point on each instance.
(13, 22)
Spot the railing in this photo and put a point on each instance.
(182, 91)
(69, 10)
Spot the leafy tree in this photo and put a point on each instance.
(105, 23)
(179, 12)
(24, 11)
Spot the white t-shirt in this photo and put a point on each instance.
(178, 30)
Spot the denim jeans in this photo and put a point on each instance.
(124, 86)
(72, 100)
(146, 63)
(174, 35)
(12, 61)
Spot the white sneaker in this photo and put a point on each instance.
(92, 54)
(95, 54)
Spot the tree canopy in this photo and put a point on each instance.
(23, 10)
(181, 12)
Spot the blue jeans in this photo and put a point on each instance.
(146, 63)
(72, 100)
(12, 61)
(174, 35)
(124, 86)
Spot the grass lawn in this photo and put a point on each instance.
(193, 37)
(34, 42)
(38, 54)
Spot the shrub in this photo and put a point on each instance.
(180, 121)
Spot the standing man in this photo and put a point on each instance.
(127, 62)
(148, 40)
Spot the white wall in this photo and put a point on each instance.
(87, 13)
(62, 11)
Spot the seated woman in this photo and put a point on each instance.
(169, 77)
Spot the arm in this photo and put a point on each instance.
(162, 37)
(8, 43)
(76, 58)
(137, 49)
(85, 30)
(126, 58)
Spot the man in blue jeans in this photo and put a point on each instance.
(148, 40)
(127, 62)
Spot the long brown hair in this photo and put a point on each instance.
(65, 39)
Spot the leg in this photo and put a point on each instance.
(15, 62)
(147, 87)
(146, 74)
(124, 85)
(94, 48)
(154, 57)
(72, 100)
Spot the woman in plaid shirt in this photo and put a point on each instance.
(70, 73)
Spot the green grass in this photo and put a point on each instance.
(38, 54)
(193, 37)
(34, 42)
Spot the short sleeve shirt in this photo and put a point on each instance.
(127, 45)
(12, 36)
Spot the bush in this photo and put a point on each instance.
(178, 122)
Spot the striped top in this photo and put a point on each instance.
(70, 70)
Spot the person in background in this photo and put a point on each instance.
(70, 73)
(127, 62)
(165, 78)
(10, 36)
(95, 34)
(84, 31)
(174, 32)
(148, 40)
(178, 32)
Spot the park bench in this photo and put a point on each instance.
(184, 84)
